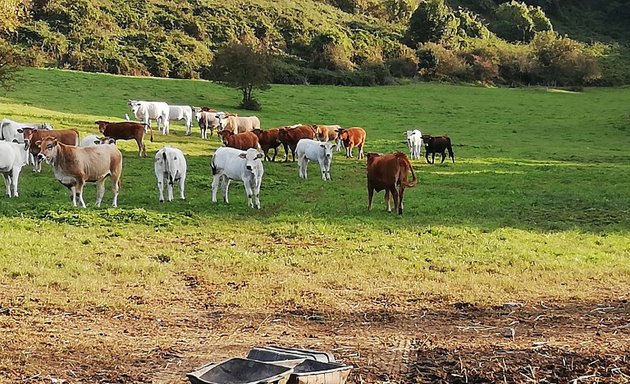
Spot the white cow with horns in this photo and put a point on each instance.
(144, 111)
(170, 167)
(314, 150)
(233, 164)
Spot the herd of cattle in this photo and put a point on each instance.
(94, 158)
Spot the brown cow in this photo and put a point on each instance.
(386, 172)
(352, 137)
(242, 141)
(289, 137)
(66, 136)
(268, 139)
(125, 130)
(74, 166)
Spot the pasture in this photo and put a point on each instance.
(527, 233)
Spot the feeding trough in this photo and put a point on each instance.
(240, 371)
(275, 357)
(317, 372)
(325, 357)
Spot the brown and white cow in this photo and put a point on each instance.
(74, 166)
(386, 172)
(242, 141)
(329, 133)
(66, 136)
(268, 139)
(289, 137)
(125, 130)
(352, 137)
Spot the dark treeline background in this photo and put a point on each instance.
(345, 42)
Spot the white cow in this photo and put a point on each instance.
(414, 141)
(314, 150)
(234, 164)
(12, 130)
(181, 112)
(92, 140)
(13, 157)
(144, 111)
(170, 166)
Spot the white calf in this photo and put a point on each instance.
(181, 112)
(234, 164)
(144, 111)
(13, 157)
(170, 166)
(414, 141)
(313, 150)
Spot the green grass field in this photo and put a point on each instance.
(536, 207)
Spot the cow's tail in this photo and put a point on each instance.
(405, 166)
(151, 133)
(449, 148)
(215, 170)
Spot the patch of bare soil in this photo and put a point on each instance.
(514, 343)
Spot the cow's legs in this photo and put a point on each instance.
(401, 193)
(443, 157)
(275, 153)
(250, 193)
(433, 158)
(302, 166)
(286, 152)
(226, 188)
(370, 196)
(79, 188)
(100, 191)
(160, 184)
(387, 200)
(395, 196)
(73, 191)
(115, 188)
(170, 187)
(7, 183)
(426, 156)
(361, 151)
(257, 194)
(349, 150)
(203, 133)
(14, 180)
(182, 182)
(325, 174)
(216, 180)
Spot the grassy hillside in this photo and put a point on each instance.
(534, 213)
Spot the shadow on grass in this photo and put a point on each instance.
(487, 195)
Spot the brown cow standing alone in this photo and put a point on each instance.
(437, 144)
(388, 172)
(352, 137)
(125, 130)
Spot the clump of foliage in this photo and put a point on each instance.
(516, 21)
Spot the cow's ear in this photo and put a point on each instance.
(20, 130)
(97, 142)
(15, 141)
(243, 155)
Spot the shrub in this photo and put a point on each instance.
(446, 64)
(402, 67)
(432, 21)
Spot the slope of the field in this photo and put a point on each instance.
(534, 212)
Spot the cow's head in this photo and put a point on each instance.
(253, 163)
(101, 125)
(221, 117)
(48, 147)
(136, 109)
(371, 156)
(47, 127)
(105, 140)
(225, 134)
(327, 148)
(342, 134)
(26, 132)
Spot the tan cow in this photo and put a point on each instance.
(65, 136)
(237, 124)
(329, 133)
(388, 172)
(74, 166)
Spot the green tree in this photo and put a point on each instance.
(241, 65)
(470, 25)
(433, 21)
(518, 22)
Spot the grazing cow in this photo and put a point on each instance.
(233, 164)
(313, 150)
(92, 140)
(437, 144)
(181, 112)
(13, 157)
(329, 133)
(242, 141)
(144, 111)
(289, 138)
(12, 130)
(268, 139)
(238, 124)
(125, 130)
(65, 136)
(74, 166)
(414, 141)
(170, 166)
(207, 120)
(388, 172)
(352, 137)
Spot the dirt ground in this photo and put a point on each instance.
(460, 343)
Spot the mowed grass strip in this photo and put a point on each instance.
(536, 206)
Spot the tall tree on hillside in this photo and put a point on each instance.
(518, 22)
(433, 21)
(242, 65)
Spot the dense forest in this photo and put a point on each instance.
(346, 42)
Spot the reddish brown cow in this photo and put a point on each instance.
(289, 137)
(352, 137)
(65, 136)
(242, 141)
(388, 172)
(268, 139)
(125, 130)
